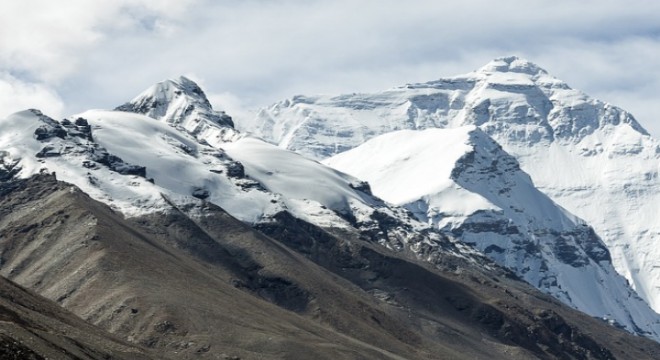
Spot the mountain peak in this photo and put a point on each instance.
(512, 64)
(183, 104)
(176, 101)
(186, 87)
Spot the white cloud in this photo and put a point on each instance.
(101, 53)
(16, 95)
(48, 39)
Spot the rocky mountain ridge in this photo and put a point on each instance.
(511, 99)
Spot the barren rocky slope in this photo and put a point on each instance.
(32, 327)
(194, 282)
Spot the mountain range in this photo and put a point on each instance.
(589, 157)
(436, 213)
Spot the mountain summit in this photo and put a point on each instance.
(512, 64)
(461, 181)
(182, 103)
(511, 99)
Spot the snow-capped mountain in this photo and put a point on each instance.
(168, 148)
(141, 165)
(462, 181)
(588, 156)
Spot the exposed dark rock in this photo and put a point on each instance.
(200, 193)
(593, 245)
(8, 167)
(10, 349)
(141, 108)
(48, 151)
(87, 164)
(568, 253)
(498, 227)
(115, 163)
(235, 169)
(361, 186)
(165, 327)
(494, 248)
(34, 328)
(81, 122)
(248, 272)
(218, 273)
(45, 132)
(279, 291)
(79, 128)
(544, 333)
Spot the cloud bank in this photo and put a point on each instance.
(74, 55)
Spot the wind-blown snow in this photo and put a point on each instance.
(177, 162)
(19, 144)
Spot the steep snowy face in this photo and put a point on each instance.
(509, 98)
(588, 156)
(182, 103)
(461, 181)
(308, 188)
(194, 153)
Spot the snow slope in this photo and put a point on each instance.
(309, 190)
(462, 181)
(590, 157)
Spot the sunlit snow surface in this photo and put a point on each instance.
(130, 194)
(304, 187)
(301, 182)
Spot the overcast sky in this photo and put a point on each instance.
(68, 56)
